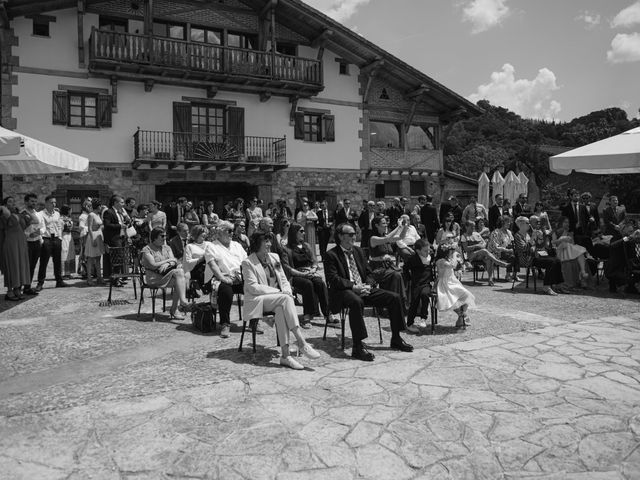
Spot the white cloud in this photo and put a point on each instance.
(485, 14)
(590, 19)
(627, 17)
(527, 98)
(624, 48)
(339, 10)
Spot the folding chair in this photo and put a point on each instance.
(123, 266)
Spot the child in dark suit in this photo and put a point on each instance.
(418, 270)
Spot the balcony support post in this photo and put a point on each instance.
(114, 94)
(273, 42)
(294, 105)
(148, 27)
(81, 10)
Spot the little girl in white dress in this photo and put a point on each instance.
(451, 293)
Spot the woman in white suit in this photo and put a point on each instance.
(266, 289)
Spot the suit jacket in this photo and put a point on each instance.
(429, 218)
(177, 247)
(256, 284)
(367, 231)
(324, 223)
(394, 213)
(591, 210)
(336, 274)
(616, 266)
(494, 214)
(569, 212)
(172, 216)
(112, 227)
(419, 273)
(611, 218)
(517, 210)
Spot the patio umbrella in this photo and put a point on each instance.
(483, 190)
(498, 183)
(511, 184)
(524, 184)
(617, 154)
(36, 157)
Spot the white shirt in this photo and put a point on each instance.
(50, 224)
(82, 223)
(229, 260)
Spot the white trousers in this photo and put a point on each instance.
(286, 316)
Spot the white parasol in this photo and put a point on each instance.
(498, 183)
(483, 190)
(617, 154)
(35, 157)
(524, 184)
(511, 185)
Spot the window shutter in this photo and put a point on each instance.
(235, 128)
(329, 128)
(182, 129)
(60, 108)
(298, 127)
(104, 111)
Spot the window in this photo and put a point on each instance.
(119, 25)
(206, 121)
(40, 27)
(81, 109)
(384, 95)
(206, 35)
(417, 188)
(287, 49)
(241, 40)
(169, 30)
(421, 137)
(384, 135)
(392, 188)
(314, 127)
(344, 68)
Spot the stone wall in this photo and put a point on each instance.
(7, 78)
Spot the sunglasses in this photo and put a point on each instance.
(162, 236)
(351, 234)
(301, 230)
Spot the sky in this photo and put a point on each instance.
(547, 59)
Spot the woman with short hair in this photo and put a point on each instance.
(156, 217)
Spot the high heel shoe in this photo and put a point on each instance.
(175, 316)
(308, 351)
(291, 363)
(460, 323)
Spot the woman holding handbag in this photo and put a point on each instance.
(94, 243)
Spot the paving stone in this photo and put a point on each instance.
(376, 462)
(362, 434)
(602, 450)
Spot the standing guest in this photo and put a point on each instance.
(616, 269)
(116, 222)
(351, 286)
(453, 207)
(302, 272)
(482, 229)
(269, 212)
(404, 203)
(520, 206)
(224, 258)
(394, 212)
(129, 206)
(415, 213)
(174, 215)
(475, 250)
(190, 216)
(141, 224)
(614, 216)
(240, 235)
(308, 219)
(163, 271)
(365, 223)
(506, 204)
(325, 224)
(51, 228)
(237, 211)
(501, 243)
(473, 211)
(282, 215)
(254, 214)
(418, 268)
(82, 230)
(34, 236)
(178, 244)
(449, 227)
(575, 212)
(540, 211)
(209, 217)
(282, 236)
(266, 289)
(94, 243)
(156, 217)
(496, 211)
(14, 252)
(346, 214)
(451, 293)
(68, 252)
(592, 215)
(226, 210)
(429, 219)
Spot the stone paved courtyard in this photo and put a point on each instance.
(537, 387)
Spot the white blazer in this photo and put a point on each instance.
(256, 284)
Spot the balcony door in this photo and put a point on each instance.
(209, 131)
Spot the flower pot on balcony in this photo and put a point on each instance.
(179, 156)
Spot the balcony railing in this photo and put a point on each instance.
(128, 48)
(399, 159)
(196, 149)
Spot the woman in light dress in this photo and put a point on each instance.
(449, 226)
(451, 293)
(254, 215)
(68, 255)
(156, 217)
(308, 219)
(94, 244)
(210, 218)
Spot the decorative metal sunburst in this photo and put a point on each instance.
(217, 151)
(135, 7)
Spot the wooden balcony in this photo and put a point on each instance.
(218, 152)
(404, 161)
(166, 60)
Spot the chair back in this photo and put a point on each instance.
(122, 259)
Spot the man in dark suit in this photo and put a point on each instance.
(325, 224)
(344, 214)
(429, 218)
(575, 212)
(394, 212)
(179, 242)
(364, 222)
(496, 211)
(613, 216)
(350, 286)
(616, 268)
(520, 206)
(593, 217)
(175, 214)
(115, 224)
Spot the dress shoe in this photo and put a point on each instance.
(291, 363)
(401, 345)
(61, 284)
(39, 287)
(30, 291)
(361, 353)
(308, 351)
(332, 320)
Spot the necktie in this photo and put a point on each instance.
(353, 268)
(184, 243)
(577, 216)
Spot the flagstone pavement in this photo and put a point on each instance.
(537, 387)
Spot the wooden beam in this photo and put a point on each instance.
(320, 53)
(81, 9)
(421, 90)
(269, 6)
(322, 39)
(294, 105)
(114, 94)
(212, 92)
(410, 115)
(265, 96)
(148, 85)
(372, 66)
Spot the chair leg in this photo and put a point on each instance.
(535, 281)
(153, 305)
(254, 331)
(526, 280)
(239, 300)
(379, 327)
(141, 300)
(135, 294)
(326, 324)
(164, 300)
(244, 327)
(343, 318)
(110, 290)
